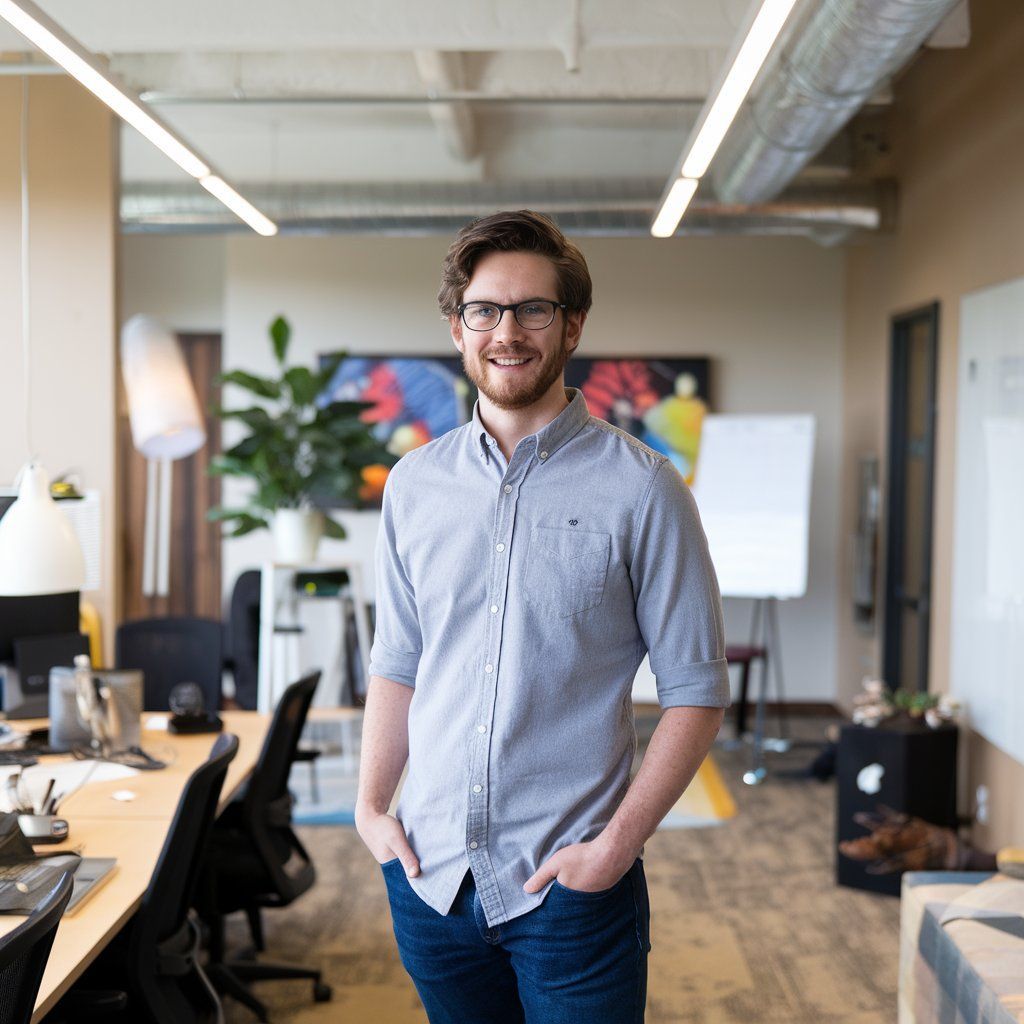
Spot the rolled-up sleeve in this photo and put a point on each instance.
(397, 643)
(678, 604)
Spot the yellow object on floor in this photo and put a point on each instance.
(707, 800)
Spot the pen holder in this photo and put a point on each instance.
(43, 828)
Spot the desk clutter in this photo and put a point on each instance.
(169, 854)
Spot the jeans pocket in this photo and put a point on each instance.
(596, 895)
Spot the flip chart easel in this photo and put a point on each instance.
(753, 490)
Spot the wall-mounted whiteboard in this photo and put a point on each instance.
(753, 490)
(987, 656)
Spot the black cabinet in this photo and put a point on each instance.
(902, 764)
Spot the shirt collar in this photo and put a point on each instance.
(551, 436)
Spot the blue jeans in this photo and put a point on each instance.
(578, 958)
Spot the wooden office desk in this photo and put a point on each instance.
(134, 833)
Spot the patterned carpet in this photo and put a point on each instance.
(747, 926)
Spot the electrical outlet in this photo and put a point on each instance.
(981, 805)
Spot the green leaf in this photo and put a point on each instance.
(334, 529)
(246, 448)
(261, 386)
(247, 524)
(303, 385)
(255, 417)
(344, 410)
(228, 465)
(280, 335)
(329, 366)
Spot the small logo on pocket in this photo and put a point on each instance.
(574, 522)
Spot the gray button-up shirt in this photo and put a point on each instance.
(519, 599)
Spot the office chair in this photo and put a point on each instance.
(155, 957)
(243, 637)
(24, 952)
(256, 860)
(169, 651)
(243, 653)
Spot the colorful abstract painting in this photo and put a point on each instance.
(660, 401)
(417, 398)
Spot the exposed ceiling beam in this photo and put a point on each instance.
(442, 72)
(664, 72)
(264, 26)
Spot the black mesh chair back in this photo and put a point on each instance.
(164, 939)
(24, 952)
(267, 807)
(169, 651)
(244, 637)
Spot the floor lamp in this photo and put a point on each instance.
(166, 425)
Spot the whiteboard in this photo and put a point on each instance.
(753, 490)
(987, 629)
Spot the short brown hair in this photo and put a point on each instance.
(514, 231)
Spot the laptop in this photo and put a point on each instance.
(22, 882)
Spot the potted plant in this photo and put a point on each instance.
(300, 453)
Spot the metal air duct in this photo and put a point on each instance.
(831, 65)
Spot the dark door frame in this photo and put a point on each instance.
(896, 596)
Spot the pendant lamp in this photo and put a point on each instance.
(39, 551)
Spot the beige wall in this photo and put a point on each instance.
(72, 175)
(179, 279)
(958, 129)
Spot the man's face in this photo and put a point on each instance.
(505, 278)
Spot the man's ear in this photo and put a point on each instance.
(574, 322)
(455, 326)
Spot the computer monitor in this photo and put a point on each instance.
(26, 692)
(38, 615)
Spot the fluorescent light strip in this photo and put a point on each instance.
(720, 112)
(238, 205)
(748, 62)
(45, 34)
(673, 207)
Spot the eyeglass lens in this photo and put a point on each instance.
(484, 316)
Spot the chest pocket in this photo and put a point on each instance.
(566, 570)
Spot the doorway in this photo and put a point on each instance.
(908, 574)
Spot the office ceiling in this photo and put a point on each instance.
(322, 105)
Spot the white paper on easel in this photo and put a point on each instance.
(753, 490)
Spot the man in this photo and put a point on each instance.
(526, 563)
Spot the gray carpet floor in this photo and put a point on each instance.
(747, 924)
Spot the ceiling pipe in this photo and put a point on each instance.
(830, 67)
(826, 214)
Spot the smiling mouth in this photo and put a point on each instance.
(509, 362)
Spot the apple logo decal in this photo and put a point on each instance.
(869, 779)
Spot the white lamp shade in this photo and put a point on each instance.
(39, 552)
(162, 405)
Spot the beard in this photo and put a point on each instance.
(508, 391)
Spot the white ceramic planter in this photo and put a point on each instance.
(297, 533)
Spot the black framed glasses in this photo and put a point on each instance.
(533, 314)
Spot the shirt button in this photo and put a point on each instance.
(488, 668)
(472, 846)
(499, 547)
(543, 455)
(494, 609)
(478, 789)
(481, 728)
(508, 488)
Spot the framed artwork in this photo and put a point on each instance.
(415, 399)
